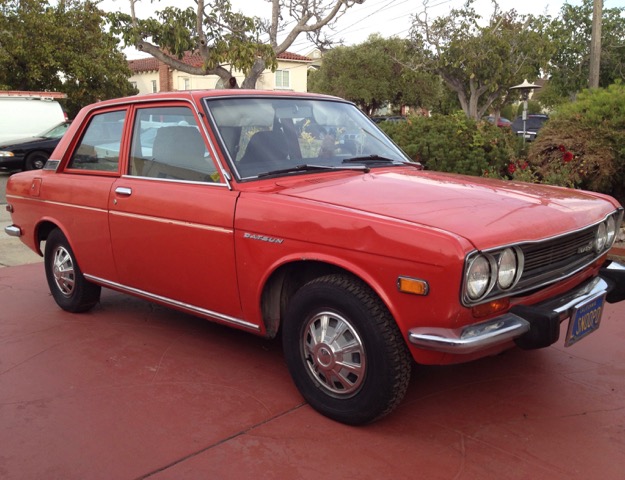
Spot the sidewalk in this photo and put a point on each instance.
(12, 251)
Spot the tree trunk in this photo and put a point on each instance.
(254, 74)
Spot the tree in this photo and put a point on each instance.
(375, 73)
(481, 62)
(570, 34)
(60, 47)
(225, 39)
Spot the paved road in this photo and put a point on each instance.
(4, 177)
(12, 250)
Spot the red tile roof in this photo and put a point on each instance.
(194, 59)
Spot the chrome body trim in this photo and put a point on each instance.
(174, 303)
(13, 231)
(170, 221)
(503, 328)
(471, 338)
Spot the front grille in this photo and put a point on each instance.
(556, 258)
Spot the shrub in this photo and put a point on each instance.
(454, 143)
(583, 144)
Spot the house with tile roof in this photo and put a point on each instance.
(151, 75)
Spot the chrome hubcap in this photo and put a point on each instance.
(334, 354)
(63, 271)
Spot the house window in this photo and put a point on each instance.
(154, 87)
(134, 85)
(184, 83)
(283, 79)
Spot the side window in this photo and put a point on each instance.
(100, 145)
(166, 143)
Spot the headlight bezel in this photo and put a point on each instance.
(493, 259)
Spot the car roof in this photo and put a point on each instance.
(197, 95)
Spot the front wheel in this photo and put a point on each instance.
(35, 160)
(70, 289)
(344, 350)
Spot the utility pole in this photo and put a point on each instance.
(595, 45)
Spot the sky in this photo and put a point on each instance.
(386, 17)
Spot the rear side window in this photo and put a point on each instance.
(100, 145)
(167, 144)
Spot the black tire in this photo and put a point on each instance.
(67, 284)
(35, 160)
(335, 317)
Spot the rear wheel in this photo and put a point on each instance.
(70, 289)
(35, 160)
(344, 350)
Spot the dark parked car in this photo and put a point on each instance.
(31, 153)
(533, 124)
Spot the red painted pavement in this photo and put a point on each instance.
(132, 390)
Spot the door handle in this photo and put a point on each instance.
(125, 191)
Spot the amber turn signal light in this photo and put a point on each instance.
(413, 286)
(490, 308)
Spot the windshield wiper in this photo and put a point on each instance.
(310, 168)
(370, 159)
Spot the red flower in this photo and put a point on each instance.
(562, 148)
(524, 166)
(567, 157)
(511, 168)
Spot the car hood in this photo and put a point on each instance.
(486, 212)
(22, 142)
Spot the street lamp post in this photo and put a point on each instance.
(524, 89)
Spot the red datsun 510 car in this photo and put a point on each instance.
(293, 214)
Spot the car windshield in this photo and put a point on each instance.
(269, 136)
(55, 132)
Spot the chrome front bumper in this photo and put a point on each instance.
(544, 318)
(13, 231)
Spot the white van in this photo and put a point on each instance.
(27, 114)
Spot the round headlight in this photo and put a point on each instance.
(479, 277)
(507, 271)
(611, 230)
(601, 237)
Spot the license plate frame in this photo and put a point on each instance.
(585, 319)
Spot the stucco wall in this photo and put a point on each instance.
(297, 74)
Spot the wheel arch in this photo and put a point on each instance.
(289, 277)
(42, 230)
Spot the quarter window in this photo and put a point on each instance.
(100, 145)
(167, 144)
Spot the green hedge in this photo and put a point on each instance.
(454, 143)
(583, 143)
